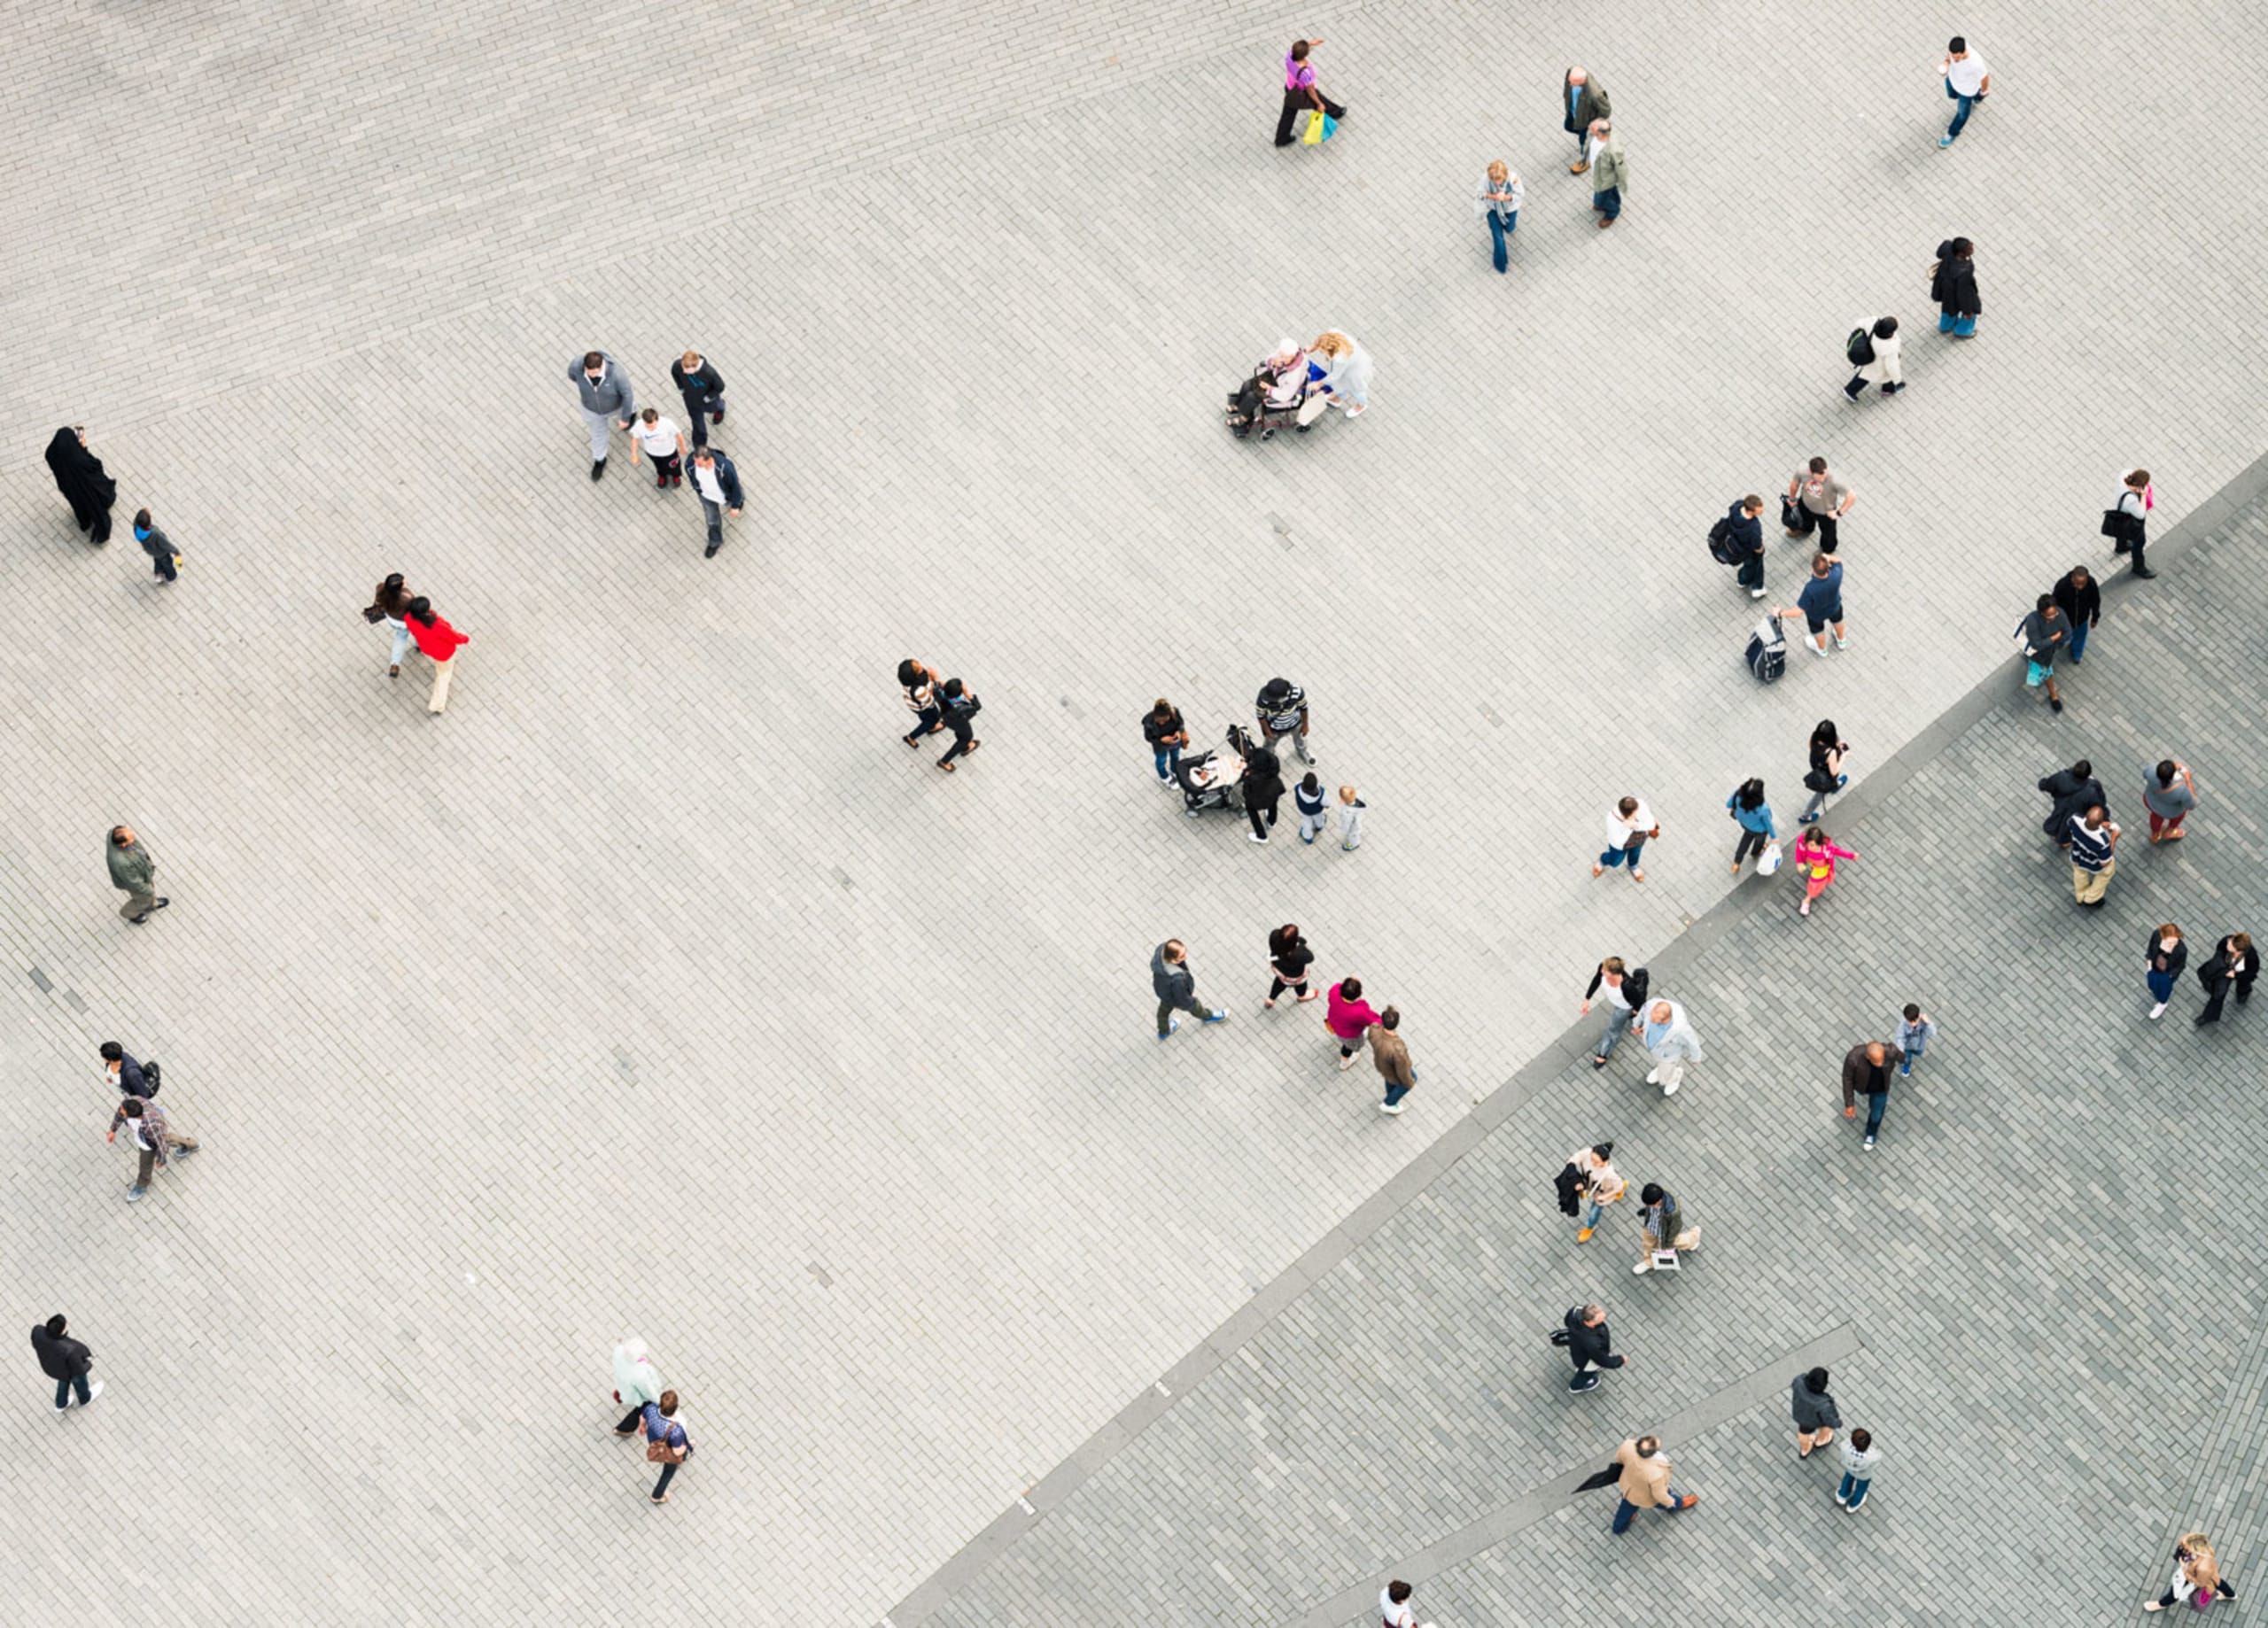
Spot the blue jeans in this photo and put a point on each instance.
(64, 1387)
(1853, 1492)
(1875, 1104)
(1627, 1511)
(1618, 1025)
(1395, 1093)
(1961, 113)
(400, 632)
(2079, 638)
(1959, 327)
(2161, 986)
(1615, 858)
(1608, 203)
(1500, 230)
(1169, 761)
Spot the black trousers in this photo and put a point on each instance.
(1750, 842)
(1806, 523)
(667, 469)
(630, 1419)
(964, 736)
(1750, 574)
(926, 721)
(1277, 986)
(2220, 998)
(698, 405)
(1294, 100)
(1254, 808)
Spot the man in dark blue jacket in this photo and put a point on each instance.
(697, 380)
(1744, 541)
(718, 486)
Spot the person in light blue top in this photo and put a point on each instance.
(1915, 1034)
(1754, 816)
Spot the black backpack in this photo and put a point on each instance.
(1859, 347)
(150, 1076)
(1720, 542)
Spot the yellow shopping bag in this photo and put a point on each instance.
(1314, 136)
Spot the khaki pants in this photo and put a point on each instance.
(2088, 886)
(442, 671)
(138, 904)
(150, 1158)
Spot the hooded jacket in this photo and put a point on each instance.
(2073, 795)
(60, 1357)
(1953, 282)
(611, 395)
(1173, 983)
(1676, 1039)
(1814, 1410)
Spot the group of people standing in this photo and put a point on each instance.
(610, 403)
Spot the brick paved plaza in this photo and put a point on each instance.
(655, 990)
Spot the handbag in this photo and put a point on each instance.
(1818, 779)
(370, 613)
(659, 1452)
(1317, 119)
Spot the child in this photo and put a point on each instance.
(1915, 1034)
(1315, 818)
(1350, 818)
(1860, 1456)
(160, 549)
(1815, 856)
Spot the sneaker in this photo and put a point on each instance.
(1840, 1498)
(1172, 1025)
(1670, 1090)
(133, 1193)
(1842, 643)
(1685, 1503)
(598, 469)
(1870, 1142)
(1391, 1107)
(1849, 1508)
(1905, 1068)
(1756, 594)
(710, 553)
(1165, 779)
(1945, 141)
(1818, 650)
(1309, 840)
(1841, 780)
(2158, 1011)
(93, 1391)
(1653, 1076)
(1643, 1268)
(1191, 813)
(1807, 820)
(1220, 1015)
(1583, 1234)
(1254, 836)
(1348, 1061)
(1581, 1384)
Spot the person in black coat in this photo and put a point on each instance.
(2234, 964)
(702, 388)
(1589, 1346)
(1745, 540)
(2075, 790)
(1263, 789)
(1952, 284)
(2079, 597)
(65, 1362)
(2163, 959)
(79, 475)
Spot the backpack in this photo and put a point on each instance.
(1720, 542)
(1859, 347)
(1566, 1333)
(150, 1076)
(1768, 651)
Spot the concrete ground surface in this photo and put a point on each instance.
(655, 987)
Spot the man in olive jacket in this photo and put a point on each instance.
(134, 873)
(1610, 174)
(1390, 1054)
(1582, 102)
(65, 1362)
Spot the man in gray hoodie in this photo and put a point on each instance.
(608, 403)
(1177, 988)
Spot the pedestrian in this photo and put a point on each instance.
(1162, 728)
(79, 478)
(2074, 790)
(1645, 1483)
(1664, 1226)
(2163, 959)
(1350, 819)
(1610, 169)
(1968, 82)
(1288, 960)
(1348, 1017)
(64, 1360)
(718, 484)
(1583, 102)
(1866, 1072)
(1344, 373)
(125, 1077)
(1952, 284)
(921, 685)
(1175, 983)
(666, 1442)
(1915, 1031)
(2079, 598)
(1881, 365)
(636, 1384)
(1497, 200)
(1395, 1610)
(1314, 809)
(1825, 777)
(389, 607)
(2129, 520)
(2168, 795)
(1263, 790)
(2197, 1577)
(1860, 1455)
(1301, 91)
(1673, 1044)
(660, 440)
(1820, 603)
(1816, 855)
(1390, 1053)
(1753, 814)
(608, 403)
(1590, 1346)
(1816, 501)
(1588, 1185)
(134, 873)
(1282, 709)
(439, 643)
(1744, 542)
(152, 1137)
(1815, 1413)
(165, 560)
(2094, 843)
(2040, 635)
(2233, 966)
(702, 389)
(1625, 996)
(1628, 829)
(960, 707)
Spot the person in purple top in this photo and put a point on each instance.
(1300, 91)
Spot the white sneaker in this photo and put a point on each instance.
(1756, 594)
(1842, 643)
(1254, 836)
(1819, 650)
(1390, 1107)
(1670, 1090)
(1653, 1076)
(1643, 1268)
(1348, 1061)
(2158, 1011)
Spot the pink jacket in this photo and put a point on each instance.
(1346, 1019)
(1811, 851)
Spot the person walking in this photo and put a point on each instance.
(1497, 200)
(637, 1384)
(1312, 806)
(2094, 843)
(1288, 960)
(151, 1136)
(165, 560)
(1162, 728)
(1395, 1610)
(1671, 1041)
(959, 706)
(718, 484)
(1598, 1183)
(1174, 981)
(1625, 998)
(1820, 604)
(64, 1360)
(1583, 102)
(1350, 819)
(921, 685)
(2233, 965)
(1860, 1456)
(1816, 501)
(1866, 1072)
(2128, 520)
(1744, 542)
(666, 1442)
(1880, 365)
(1590, 1347)
(1968, 82)
(2080, 600)
(1301, 91)
(608, 403)
(1825, 776)
(1817, 1417)
(125, 1077)
(1753, 814)
(2163, 959)
(1343, 372)
(1914, 1032)
(1263, 790)
(2197, 1579)
(1348, 1017)
(1952, 284)
(1610, 169)
(660, 440)
(2074, 791)
(1282, 710)
(1644, 1484)
(1628, 829)
(1816, 855)
(1390, 1054)
(1663, 1225)
(2168, 795)
(134, 873)
(439, 643)
(389, 607)
(80, 478)
(2041, 635)
(702, 389)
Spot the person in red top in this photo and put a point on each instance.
(1349, 1017)
(440, 642)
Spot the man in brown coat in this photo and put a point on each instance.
(1582, 99)
(1645, 1482)
(1390, 1054)
(1866, 1071)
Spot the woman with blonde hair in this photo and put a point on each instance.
(1497, 201)
(1344, 371)
(2197, 1577)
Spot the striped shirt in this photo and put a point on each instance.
(2091, 849)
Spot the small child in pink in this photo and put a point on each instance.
(1816, 857)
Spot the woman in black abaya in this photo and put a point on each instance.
(79, 476)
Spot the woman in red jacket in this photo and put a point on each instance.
(1349, 1017)
(440, 642)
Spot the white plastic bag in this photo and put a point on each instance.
(1768, 860)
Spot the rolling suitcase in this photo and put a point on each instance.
(1768, 651)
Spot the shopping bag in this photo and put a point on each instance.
(1768, 860)
(1329, 127)
(1316, 121)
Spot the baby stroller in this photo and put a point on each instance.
(1215, 780)
(1276, 396)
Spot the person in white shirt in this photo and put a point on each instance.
(1393, 1606)
(662, 441)
(718, 484)
(1628, 828)
(1883, 369)
(1967, 82)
